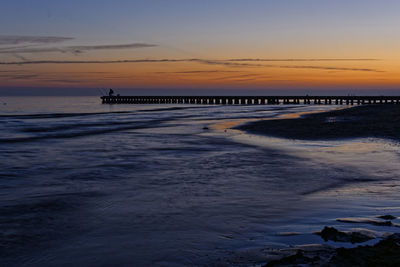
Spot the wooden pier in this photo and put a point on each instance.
(252, 100)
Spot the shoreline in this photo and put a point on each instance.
(379, 121)
(376, 121)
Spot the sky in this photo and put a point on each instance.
(204, 46)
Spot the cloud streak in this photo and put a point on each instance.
(111, 47)
(227, 62)
(233, 63)
(63, 77)
(330, 68)
(36, 62)
(73, 49)
(300, 59)
(16, 40)
(196, 72)
(242, 76)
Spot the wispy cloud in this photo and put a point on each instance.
(18, 50)
(245, 80)
(242, 76)
(18, 76)
(21, 39)
(73, 49)
(330, 68)
(64, 81)
(20, 57)
(64, 77)
(110, 47)
(233, 63)
(299, 59)
(6, 48)
(36, 62)
(196, 72)
(227, 62)
(23, 77)
(87, 77)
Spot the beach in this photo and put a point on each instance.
(379, 121)
(90, 184)
(372, 121)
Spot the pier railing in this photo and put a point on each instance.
(252, 100)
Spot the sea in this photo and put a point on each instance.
(89, 184)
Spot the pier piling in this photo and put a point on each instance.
(253, 100)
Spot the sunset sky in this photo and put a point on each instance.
(201, 45)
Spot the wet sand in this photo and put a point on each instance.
(377, 121)
(380, 121)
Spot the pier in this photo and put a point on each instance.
(252, 100)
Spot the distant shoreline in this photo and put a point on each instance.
(379, 121)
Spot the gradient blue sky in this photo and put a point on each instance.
(206, 30)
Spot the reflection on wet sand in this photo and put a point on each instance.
(363, 154)
(231, 124)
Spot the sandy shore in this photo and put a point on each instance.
(381, 121)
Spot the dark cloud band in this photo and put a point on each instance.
(16, 40)
(105, 47)
(73, 49)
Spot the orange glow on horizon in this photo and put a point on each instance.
(195, 74)
(189, 44)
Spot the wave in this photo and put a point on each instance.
(341, 183)
(58, 115)
(72, 126)
(44, 129)
(57, 135)
(81, 114)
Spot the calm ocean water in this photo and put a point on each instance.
(87, 184)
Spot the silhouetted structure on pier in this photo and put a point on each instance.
(252, 100)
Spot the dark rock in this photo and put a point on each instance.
(296, 259)
(384, 253)
(330, 233)
(387, 217)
